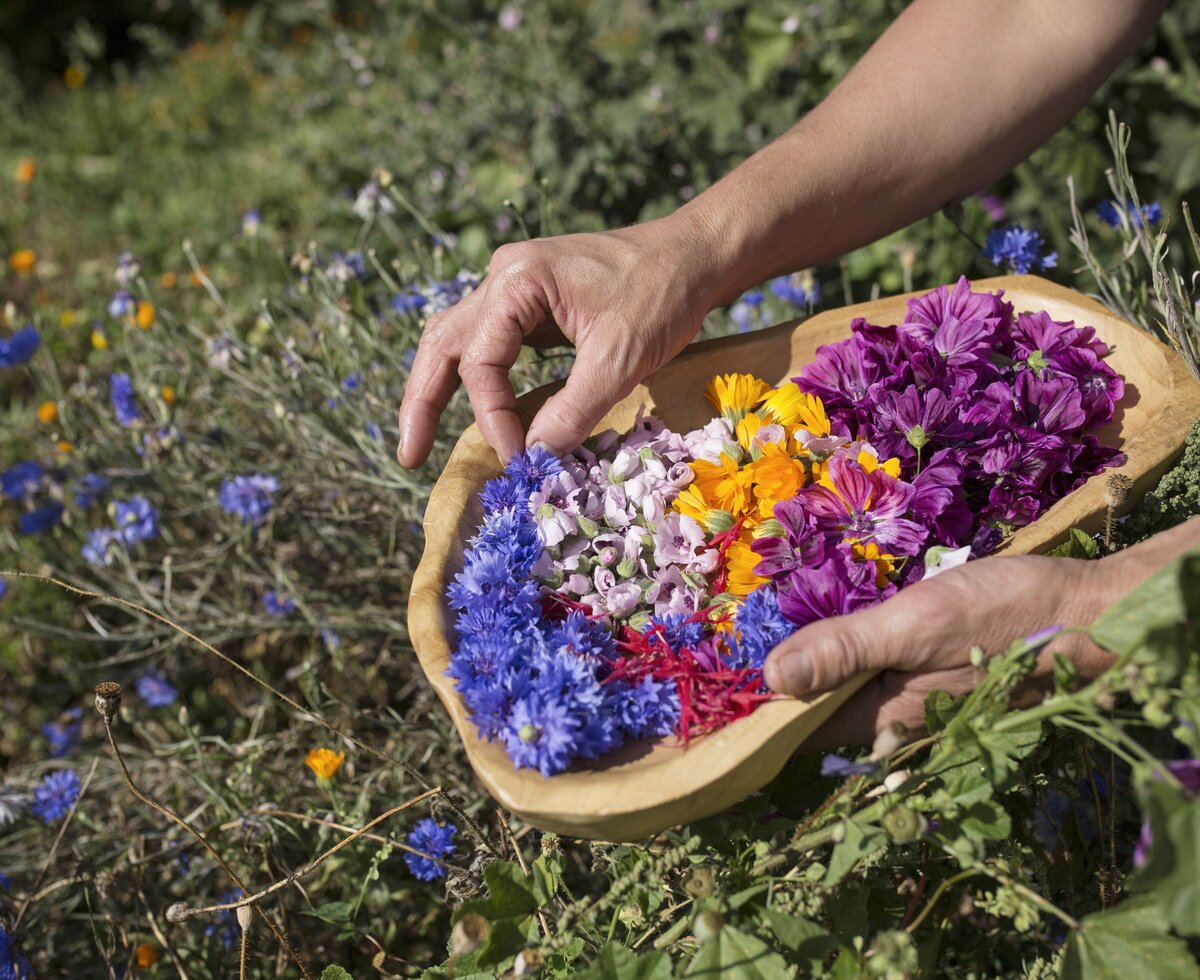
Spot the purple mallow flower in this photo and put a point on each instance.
(433, 839)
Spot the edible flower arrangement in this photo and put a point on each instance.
(633, 589)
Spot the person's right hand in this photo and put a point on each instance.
(629, 300)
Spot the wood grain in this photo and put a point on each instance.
(647, 787)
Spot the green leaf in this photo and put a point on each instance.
(616, 962)
(738, 954)
(1172, 869)
(1078, 544)
(335, 973)
(940, 709)
(986, 819)
(510, 890)
(336, 912)
(1165, 600)
(1127, 941)
(547, 875)
(860, 840)
(803, 936)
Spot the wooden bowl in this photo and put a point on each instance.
(644, 788)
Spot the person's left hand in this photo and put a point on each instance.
(920, 640)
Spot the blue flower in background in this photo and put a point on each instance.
(122, 304)
(408, 301)
(89, 487)
(137, 520)
(277, 606)
(434, 839)
(96, 547)
(408, 357)
(22, 480)
(13, 966)
(839, 766)
(248, 497)
(155, 689)
(54, 796)
(345, 266)
(330, 638)
(1019, 249)
(40, 519)
(251, 222)
(352, 382)
(226, 925)
(5, 882)
(373, 431)
(3, 587)
(63, 734)
(1110, 213)
(799, 289)
(19, 348)
(123, 403)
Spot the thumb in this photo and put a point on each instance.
(596, 383)
(826, 653)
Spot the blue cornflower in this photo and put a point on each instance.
(351, 382)
(20, 347)
(5, 882)
(512, 533)
(96, 548)
(489, 580)
(761, 627)
(3, 588)
(122, 304)
(54, 796)
(434, 839)
(445, 294)
(1020, 249)
(647, 709)
(22, 480)
(330, 638)
(13, 966)
(277, 606)
(753, 297)
(482, 659)
(251, 222)
(154, 688)
(373, 431)
(542, 733)
(1110, 213)
(137, 520)
(248, 497)
(40, 519)
(89, 487)
(746, 317)
(797, 289)
(678, 629)
(533, 466)
(63, 734)
(408, 357)
(503, 492)
(345, 266)
(227, 924)
(408, 301)
(583, 637)
(840, 766)
(123, 403)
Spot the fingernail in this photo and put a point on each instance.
(400, 451)
(796, 670)
(771, 674)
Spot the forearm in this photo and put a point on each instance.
(953, 95)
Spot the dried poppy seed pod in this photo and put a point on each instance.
(468, 934)
(178, 912)
(1116, 490)
(244, 916)
(108, 699)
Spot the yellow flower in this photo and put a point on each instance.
(26, 170)
(168, 394)
(169, 280)
(75, 76)
(885, 564)
(871, 463)
(145, 956)
(64, 447)
(747, 429)
(724, 483)
(733, 395)
(692, 503)
(740, 561)
(788, 405)
(324, 763)
(47, 413)
(68, 317)
(777, 476)
(22, 261)
(99, 341)
(145, 315)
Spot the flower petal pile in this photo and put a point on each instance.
(633, 589)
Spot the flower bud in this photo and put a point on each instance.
(529, 963)
(707, 925)
(587, 527)
(903, 823)
(469, 933)
(626, 567)
(108, 699)
(1116, 490)
(700, 883)
(630, 914)
(717, 520)
(770, 528)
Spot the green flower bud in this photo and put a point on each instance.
(770, 528)
(626, 567)
(903, 823)
(1037, 361)
(545, 512)
(700, 883)
(716, 521)
(916, 437)
(587, 527)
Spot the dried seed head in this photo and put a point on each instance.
(700, 883)
(1116, 490)
(708, 925)
(468, 934)
(889, 740)
(245, 914)
(108, 699)
(903, 823)
(178, 912)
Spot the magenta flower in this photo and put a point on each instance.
(927, 313)
(801, 546)
(1187, 771)
(838, 587)
(866, 507)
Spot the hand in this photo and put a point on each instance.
(629, 301)
(920, 638)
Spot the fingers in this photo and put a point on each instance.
(596, 383)
(484, 370)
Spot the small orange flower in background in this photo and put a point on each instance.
(324, 763)
(145, 315)
(75, 76)
(169, 280)
(22, 261)
(64, 447)
(145, 956)
(47, 413)
(99, 341)
(26, 170)
(168, 394)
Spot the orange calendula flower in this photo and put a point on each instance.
(47, 412)
(145, 956)
(168, 394)
(144, 317)
(324, 763)
(740, 561)
(22, 261)
(724, 483)
(26, 170)
(777, 476)
(64, 447)
(884, 564)
(692, 503)
(733, 395)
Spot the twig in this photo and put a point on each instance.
(180, 914)
(161, 937)
(217, 856)
(449, 800)
(506, 834)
